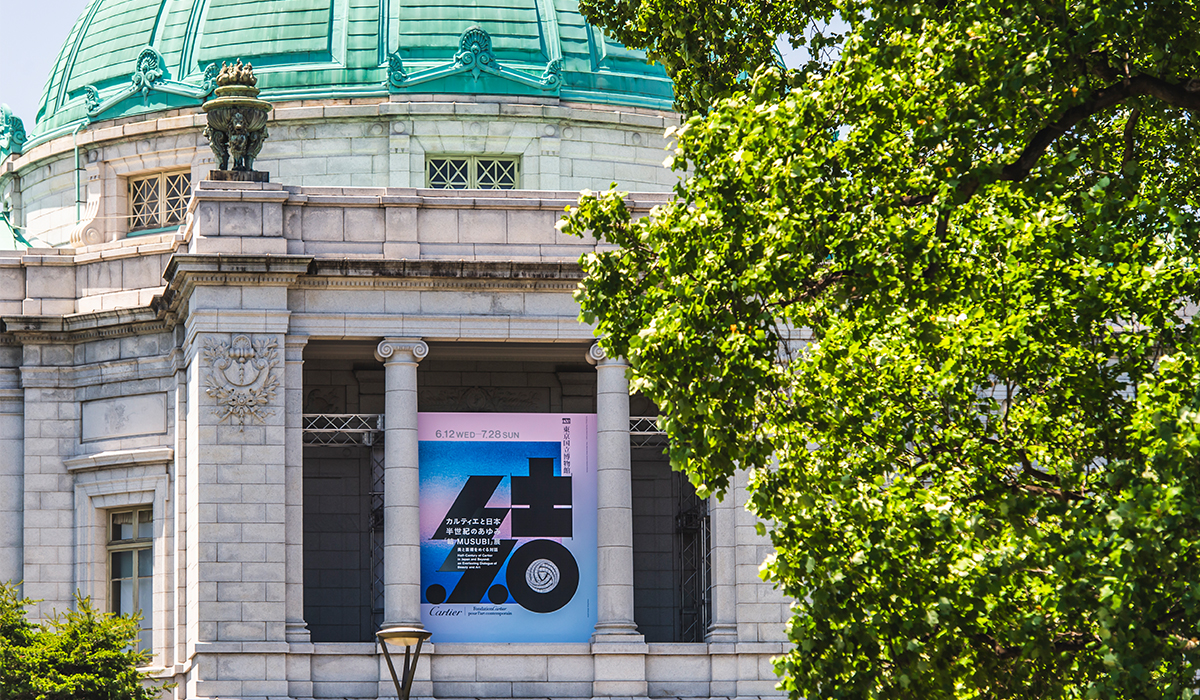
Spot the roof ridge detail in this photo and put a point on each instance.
(129, 57)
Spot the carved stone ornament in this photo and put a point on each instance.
(595, 354)
(237, 120)
(243, 377)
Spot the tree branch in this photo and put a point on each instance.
(1130, 133)
(1066, 641)
(1060, 494)
(812, 287)
(1174, 94)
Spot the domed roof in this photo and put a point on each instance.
(126, 57)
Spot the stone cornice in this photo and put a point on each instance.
(79, 328)
(328, 273)
(12, 400)
(120, 458)
(185, 265)
(185, 272)
(187, 119)
(553, 200)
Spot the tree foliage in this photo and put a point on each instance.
(81, 654)
(935, 291)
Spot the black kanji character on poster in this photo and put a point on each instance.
(539, 493)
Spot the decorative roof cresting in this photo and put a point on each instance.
(126, 58)
(12, 132)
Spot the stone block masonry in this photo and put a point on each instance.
(276, 301)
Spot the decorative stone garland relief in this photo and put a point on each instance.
(243, 377)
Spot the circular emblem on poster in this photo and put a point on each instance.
(542, 576)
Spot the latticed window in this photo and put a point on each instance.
(473, 172)
(158, 200)
(131, 567)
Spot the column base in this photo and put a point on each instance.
(722, 633)
(617, 633)
(296, 632)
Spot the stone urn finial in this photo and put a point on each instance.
(237, 124)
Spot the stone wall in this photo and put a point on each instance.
(563, 147)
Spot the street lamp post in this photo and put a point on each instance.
(407, 637)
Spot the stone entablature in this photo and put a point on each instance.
(392, 223)
(361, 223)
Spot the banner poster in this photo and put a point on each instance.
(508, 526)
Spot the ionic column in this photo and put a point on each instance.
(401, 510)
(295, 629)
(614, 517)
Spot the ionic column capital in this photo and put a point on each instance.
(401, 350)
(597, 356)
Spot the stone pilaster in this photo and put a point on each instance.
(179, 500)
(295, 629)
(619, 651)
(12, 485)
(401, 510)
(236, 472)
(50, 424)
(723, 525)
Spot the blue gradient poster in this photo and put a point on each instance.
(508, 526)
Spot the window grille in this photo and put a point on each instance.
(158, 200)
(473, 173)
(131, 568)
(693, 530)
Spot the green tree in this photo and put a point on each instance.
(79, 654)
(935, 291)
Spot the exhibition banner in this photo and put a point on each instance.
(508, 526)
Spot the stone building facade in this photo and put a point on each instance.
(269, 525)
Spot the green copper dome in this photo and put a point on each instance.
(127, 57)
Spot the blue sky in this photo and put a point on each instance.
(31, 34)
